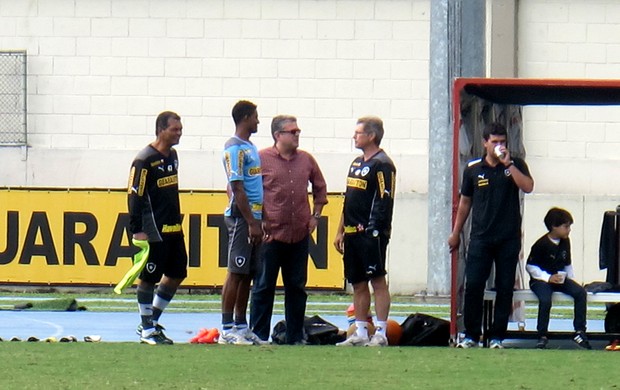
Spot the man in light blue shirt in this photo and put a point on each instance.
(243, 220)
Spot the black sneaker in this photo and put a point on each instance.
(155, 338)
(581, 340)
(157, 327)
(542, 342)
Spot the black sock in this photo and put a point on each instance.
(227, 321)
(163, 296)
(241, 322)
(145, 305)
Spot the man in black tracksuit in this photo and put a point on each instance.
(490, 189)
(365, 229)
(155, 217)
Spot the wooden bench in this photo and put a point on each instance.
(529, 296)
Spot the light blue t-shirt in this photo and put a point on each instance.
(242, 163)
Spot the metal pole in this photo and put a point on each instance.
(457, 49)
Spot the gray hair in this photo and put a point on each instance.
(372, 125)
(278, 122)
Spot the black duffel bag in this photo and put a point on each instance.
(425, 330)
(317, 331)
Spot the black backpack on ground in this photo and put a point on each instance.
(278, 334)
(317, 331)
(320, 332)
(425, 330)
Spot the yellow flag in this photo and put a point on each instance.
(139, 261)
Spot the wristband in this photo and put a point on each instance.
(316, 215)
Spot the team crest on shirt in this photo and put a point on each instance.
(239, 261)
(150, 267)
(365, 171)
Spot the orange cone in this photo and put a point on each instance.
(210, 337)
(201, 333)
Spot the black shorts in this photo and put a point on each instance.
(167, 257)
(242, 255)
(364, 257)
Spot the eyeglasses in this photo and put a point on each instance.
(293, 132)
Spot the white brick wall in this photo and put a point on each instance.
(115, 64)
(99, 71)
(576, 39)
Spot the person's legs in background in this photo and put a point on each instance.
(506, 254)
(263, 292)
(477, 271)
(294, 276)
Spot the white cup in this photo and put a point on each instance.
(562, 275)
(498, 151)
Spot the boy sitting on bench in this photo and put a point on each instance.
(550, 269)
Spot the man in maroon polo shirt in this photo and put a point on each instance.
(288, 222)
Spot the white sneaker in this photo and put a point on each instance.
(251, 336)
(467, 343)
(232, 337)
(354, 341)
(496, 344)
(378, 340)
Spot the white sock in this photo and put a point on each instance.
(381, 327)
(160, 303)
(362, 328)
(145, 309)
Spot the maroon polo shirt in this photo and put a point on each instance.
(286, 208)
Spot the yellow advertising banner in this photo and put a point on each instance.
(80, 237)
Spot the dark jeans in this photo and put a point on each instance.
(481, 255)
(293, 260)
(543, 291)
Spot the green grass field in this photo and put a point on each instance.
(187, 366)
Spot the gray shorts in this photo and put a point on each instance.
(242, 256)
